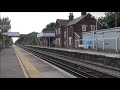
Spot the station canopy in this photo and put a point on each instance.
(45, 35)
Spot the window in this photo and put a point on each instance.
(65, 34)
(92, 28)
(84, 27)
(58, 30)
(70, 40)
(65, 43)
(56, 41)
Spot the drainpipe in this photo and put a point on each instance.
(67, 37)
(93, 39)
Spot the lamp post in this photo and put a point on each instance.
(96, 24)
(115, 19)
(67, 38)
(94, 32)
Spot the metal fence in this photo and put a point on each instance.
(105, 39)
(110, 44)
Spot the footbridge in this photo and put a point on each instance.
(7, 38)
(12, 34)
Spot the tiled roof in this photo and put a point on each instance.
(71, 22)
(63, 22)
(74, 21)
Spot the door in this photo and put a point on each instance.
(76, 44)
(81, 42)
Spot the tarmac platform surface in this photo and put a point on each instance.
(9, 65)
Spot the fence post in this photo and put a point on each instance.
(103, 44)
(116, 44)
(93, 44)
(96, 46)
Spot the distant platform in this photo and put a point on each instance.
(117, 55)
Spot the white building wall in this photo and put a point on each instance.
(109, 35)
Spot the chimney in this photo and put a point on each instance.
(71, 16)
(83, 13)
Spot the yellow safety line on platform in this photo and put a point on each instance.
(31, 70)
(24, 71)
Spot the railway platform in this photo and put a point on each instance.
(84, 51)
(18, 63)
(9, 64)
(115, 55)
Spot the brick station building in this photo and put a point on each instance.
(68, 33)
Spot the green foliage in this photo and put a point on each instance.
(20, 40)
(29, 39)
(103, 21)
(5, 23)
(49, 27)
(109, 20)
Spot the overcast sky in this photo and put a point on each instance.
(26, 22)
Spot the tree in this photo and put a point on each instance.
(49, 27)
(104, 22)
(109, 20)
(5, 24)
(29, 39)
(19, 41)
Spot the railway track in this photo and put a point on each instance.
(75, 69)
